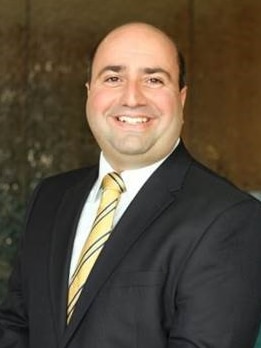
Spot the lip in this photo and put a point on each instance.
(132, 122)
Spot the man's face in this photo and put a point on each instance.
(134, 105)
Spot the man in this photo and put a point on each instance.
(181, 266)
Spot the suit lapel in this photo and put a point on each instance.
(162, 186)
(62, 242)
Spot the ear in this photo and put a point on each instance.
(183, 95)
(87, 87)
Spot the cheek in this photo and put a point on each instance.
(171, 111)
(166, 103)
(97, 106)
(99, 101)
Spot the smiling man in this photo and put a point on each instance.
(148, 248)
(135, 103)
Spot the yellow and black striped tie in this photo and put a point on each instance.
(112, 186)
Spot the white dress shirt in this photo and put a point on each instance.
(134, 179)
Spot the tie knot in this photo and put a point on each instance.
(113, 181)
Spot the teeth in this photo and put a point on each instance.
(133, 120)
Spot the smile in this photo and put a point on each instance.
(133, 120)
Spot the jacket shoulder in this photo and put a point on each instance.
(67, 179)
(53, 188)
(214, 187)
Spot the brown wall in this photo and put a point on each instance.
(224, 127)
(42, 68)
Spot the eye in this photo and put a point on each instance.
(112, 79)
(155, 81)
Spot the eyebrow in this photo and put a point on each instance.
(114, 68)
(157, 70)
(149, 71)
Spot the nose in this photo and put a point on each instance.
(133, 95)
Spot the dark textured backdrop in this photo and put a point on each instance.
(42, 69)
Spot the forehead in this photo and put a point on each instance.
(140, 45)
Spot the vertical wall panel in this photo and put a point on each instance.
(225, 127)
(12, 112)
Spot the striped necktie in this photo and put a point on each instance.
(112, 186)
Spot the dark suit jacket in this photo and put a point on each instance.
(180, 270)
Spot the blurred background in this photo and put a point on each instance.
(44, 46)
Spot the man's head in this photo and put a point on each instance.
(136, 96)
(181, 64)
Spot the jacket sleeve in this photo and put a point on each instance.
(13, 312)
(218, 302)
(13, 318)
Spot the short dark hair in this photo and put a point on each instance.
(182, 70)
(180, 58)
